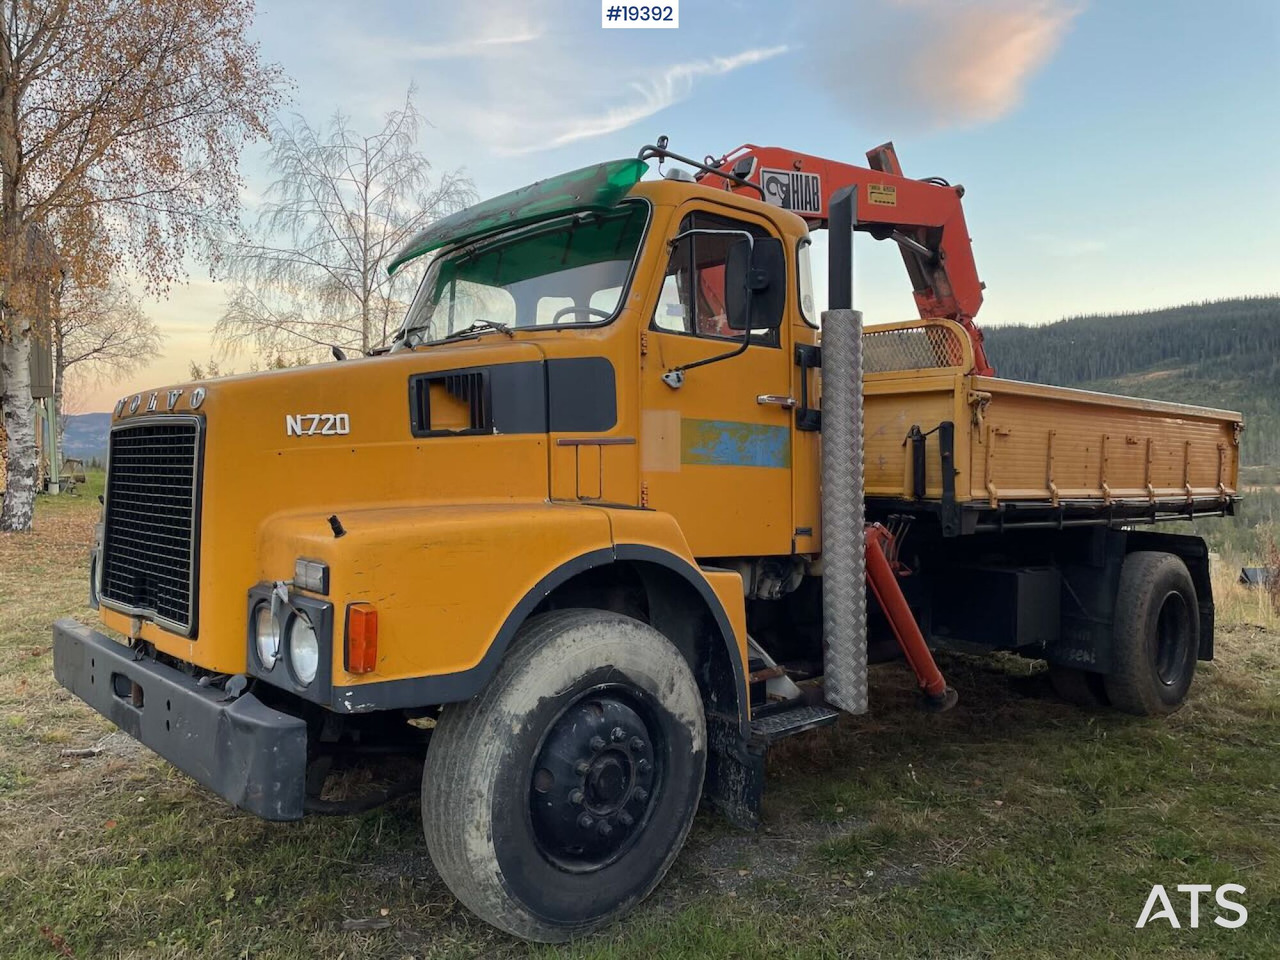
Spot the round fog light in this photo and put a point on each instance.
(304, 650)
(266, 632)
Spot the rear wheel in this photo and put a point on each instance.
(558, 798)
(1156, 635)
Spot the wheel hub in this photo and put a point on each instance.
(1173, 637)
(608, 781)
(594, 781)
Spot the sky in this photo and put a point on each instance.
(1116, 154)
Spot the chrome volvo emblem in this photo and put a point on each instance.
(173, 398)
(120, 405)
(197, 398)
(151, 403)
(133, 404)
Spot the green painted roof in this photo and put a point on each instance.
(598, 187)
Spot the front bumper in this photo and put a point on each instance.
(247, 753)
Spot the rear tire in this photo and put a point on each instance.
(558, 798)
(1084, 688)
(1155, 637)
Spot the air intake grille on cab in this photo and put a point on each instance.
(149, 538)
(463, 403)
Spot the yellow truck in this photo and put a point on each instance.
(589, 534)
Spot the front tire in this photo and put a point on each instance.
(1155, 637)
(558, 798)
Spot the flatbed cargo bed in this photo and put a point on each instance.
(985, 453)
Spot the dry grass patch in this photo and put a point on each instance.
(1015, 825)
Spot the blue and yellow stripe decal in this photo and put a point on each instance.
(732, 443)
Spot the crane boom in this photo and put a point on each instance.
(924, 217)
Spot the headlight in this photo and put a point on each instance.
(304, 650)
(266, 634)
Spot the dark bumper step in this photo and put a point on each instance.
(786, 723)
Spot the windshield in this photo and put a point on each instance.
(571, 270)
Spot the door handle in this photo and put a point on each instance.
(787, 403)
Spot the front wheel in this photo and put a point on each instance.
(558, 798)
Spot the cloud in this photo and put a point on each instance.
(461, 48)
(462, 34)
(670, 86)
(516, 77)
(939, 62)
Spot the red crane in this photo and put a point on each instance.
(924, 217)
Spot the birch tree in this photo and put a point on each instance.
(100, 333)
(341, 204)
(121, 121)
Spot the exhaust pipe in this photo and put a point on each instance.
(844, 589)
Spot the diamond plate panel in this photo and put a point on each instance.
(775, 726)
(844, 592)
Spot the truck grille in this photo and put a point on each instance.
(150, 540)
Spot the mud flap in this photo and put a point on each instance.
(734, 783)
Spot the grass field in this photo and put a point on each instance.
(1014, 826)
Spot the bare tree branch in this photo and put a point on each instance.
(340, 205)
(106, 329)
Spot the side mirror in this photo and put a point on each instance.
(755, 284)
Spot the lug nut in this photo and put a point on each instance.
(604, 829)
(581, 768)
(641, 794)
(618, 734)
(625, 819)
(586, 821)
(643, 766)
(637, 744)
(575, 796)
(597, 744)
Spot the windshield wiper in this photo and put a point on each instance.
(478, 327)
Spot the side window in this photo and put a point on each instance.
(804, 271)
(671, 314)
(692, 300)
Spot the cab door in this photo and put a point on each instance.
(716, 451)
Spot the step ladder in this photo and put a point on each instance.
(773, 727)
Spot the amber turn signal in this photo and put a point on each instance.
(362, 638)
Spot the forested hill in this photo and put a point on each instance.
(1224, 353)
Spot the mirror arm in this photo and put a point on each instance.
(674, 378)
